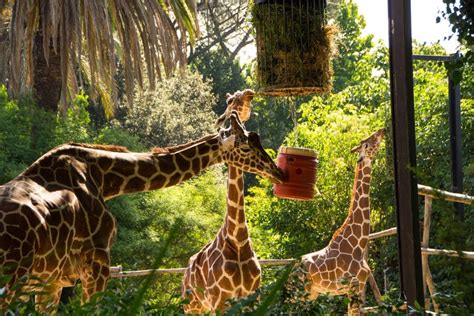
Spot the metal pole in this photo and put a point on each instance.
(404, 151)
(456, 141)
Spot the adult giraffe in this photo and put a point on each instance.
(227, 267)
(54, 224)
(340, 267)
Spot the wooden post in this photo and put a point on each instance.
(404, 150)
(427, 278)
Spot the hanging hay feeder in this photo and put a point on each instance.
(294, 46)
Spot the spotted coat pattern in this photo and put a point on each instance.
(54, 224)
(340, 267)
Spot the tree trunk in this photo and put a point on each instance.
(47, 75)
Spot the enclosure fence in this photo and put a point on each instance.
(427, 192)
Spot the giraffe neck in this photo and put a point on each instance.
(124, 173)
(235, 226)
(358, 219)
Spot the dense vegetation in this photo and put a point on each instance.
(182, 108)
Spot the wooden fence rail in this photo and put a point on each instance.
(422, 190)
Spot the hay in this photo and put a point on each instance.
(294, 48)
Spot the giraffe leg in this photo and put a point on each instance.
(357, 298)
(95, 273)
(17, 271)
(49, 298)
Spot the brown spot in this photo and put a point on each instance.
(331, 264)
(182, 163)
(204, 162)
(203, 149)
(353, 241)
(175, 179)
(158, 182)
(55, 218)
(242, 233)
(232, 211)
(135, 185)
(51, 263)
(93, 220)
(47, 162)
(165, 165)
(367, 170)
(213, 257)
(344, 260)
(47, 174)
(112, 183)
(146, 169)
(364, 202)
(225, 283)
(229, 253)
(230, 227)
(254, 268)
(347, 232)
(214, 291)
(246, 276)
(325, 276)
(357, 253)
(356, 229)
(217, 267)
(345, 246)
(358, 216)
(196, 165)
(189, 153)
(365, 229)
(237, 278)
(96, 174)
(214, 147)
(365, 187)
(354, 267)
(230, 267)
(40, 264)
(104, 163)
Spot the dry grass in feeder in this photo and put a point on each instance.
(294, 48)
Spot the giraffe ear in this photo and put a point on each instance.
(248, 94)
(228, 95)
(356, 149)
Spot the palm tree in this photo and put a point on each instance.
(53, 42)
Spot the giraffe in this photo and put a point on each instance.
(227, 267)
(340, 267)
(54, 225)
(238, 102)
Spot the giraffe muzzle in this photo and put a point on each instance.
(278, 176)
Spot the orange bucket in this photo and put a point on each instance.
(299, 165)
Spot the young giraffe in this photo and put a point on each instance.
(238, 102)
(54, 224)
(340, 267)
(226, 267)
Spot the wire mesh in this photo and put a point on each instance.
(294, 46)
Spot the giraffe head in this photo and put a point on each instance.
(239, 102)
(242, 149)
(369, 146)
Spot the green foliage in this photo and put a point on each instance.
(331, 132)
(352, 47)
(177, 111)
(28, 132)
(225, 75)
(460, 14)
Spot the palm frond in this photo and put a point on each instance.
(151, 44)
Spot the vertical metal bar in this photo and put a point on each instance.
(404, 150)
(456, 141)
